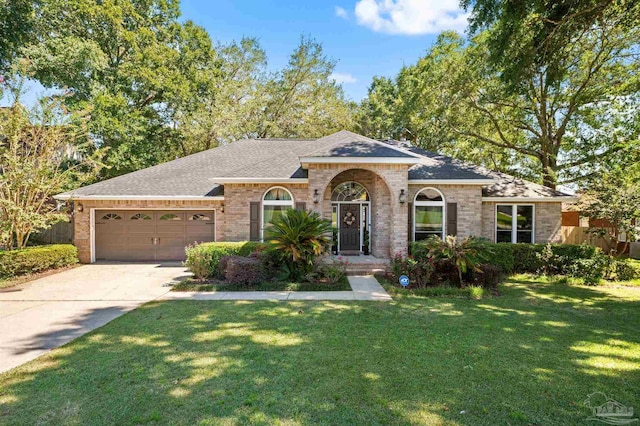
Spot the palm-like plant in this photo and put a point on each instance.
(298, 237)
(464, 254)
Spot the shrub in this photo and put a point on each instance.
(330, 273)
(464, 254)
(591, 270)
(487, 276)
(203, 259)
(500, 255)
(243, 270)
(37, 259)
(626, 270)
(298, 237)
(419, 271)
(525, 257)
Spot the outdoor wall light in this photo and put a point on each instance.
(403, 196)
(80, 207)
(316, 196)
(222, 208)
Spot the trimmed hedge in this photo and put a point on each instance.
(203, 259)
(499, 255)
(37, 259)
(526, 258)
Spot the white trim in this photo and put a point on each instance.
(451, 181)
(92, 234)
(283, 203)
(92, 221)
(259, 180)
(514, 227)
(442, 204)
(137, 197)
(508, 200)
(358, 160)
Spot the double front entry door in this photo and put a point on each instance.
(350, 223)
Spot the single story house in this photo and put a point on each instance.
(380, 195)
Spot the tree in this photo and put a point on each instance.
(133, 63)
(531, 34)
(615, 197)
(548, 130)
(42, 152)
(302, 100)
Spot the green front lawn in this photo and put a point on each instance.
(530, 356)
(191, 284)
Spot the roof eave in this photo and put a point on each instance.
(260, 180)
(550, 199)
(305, 161)
(72, 197)
(480, 182)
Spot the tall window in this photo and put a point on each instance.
(428, 214)
(275, 202)
(514, 223)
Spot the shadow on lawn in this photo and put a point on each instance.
(530, 357)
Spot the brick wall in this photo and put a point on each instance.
(548, 221)
(81, 234)
(237, 198)
(469, 204)
(383, 182)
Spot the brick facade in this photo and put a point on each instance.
(547, 223)
(390, 228)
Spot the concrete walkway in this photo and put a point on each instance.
(362, 288)
(43, 314)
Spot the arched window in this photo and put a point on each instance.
(275, 202)
(428, 214)
(350, 191)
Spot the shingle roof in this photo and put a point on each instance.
(204, 173)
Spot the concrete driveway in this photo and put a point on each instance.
(49, 312)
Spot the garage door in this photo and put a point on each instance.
(150, 235)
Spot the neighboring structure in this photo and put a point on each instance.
(386, 193)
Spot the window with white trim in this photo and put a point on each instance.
(428, 214)
(274, 203)
(514, 223)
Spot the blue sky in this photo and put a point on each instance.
(365, 37)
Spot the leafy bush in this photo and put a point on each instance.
(487, 276)
(500, 255)
(464, 254)
(37, 259)
(419, 272)
(328, 273)
(243, 270)
(298, 237)
(203, 259)
(626, 270)
(590, 270)
(526, 257)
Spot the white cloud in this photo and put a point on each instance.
(411, 17)
(342, 12)
(343, 78)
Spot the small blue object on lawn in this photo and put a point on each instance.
(404, 280)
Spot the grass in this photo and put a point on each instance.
(528, 357)
(213, 285)
(6, 282)
(394, 290)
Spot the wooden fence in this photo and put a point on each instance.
(579, 235)
(60, 233)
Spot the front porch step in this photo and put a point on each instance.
(361, 265)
